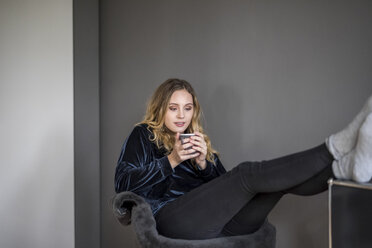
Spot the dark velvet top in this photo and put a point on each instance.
(144, 169)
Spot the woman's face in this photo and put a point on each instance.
(179, 112)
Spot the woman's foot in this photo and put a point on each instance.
(341, 143)
(362, 171)
(344, 167)
(357, 164)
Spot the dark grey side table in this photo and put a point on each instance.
(350, 214)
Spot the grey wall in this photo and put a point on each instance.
(86, 123)
(36, 124)
(273, 78)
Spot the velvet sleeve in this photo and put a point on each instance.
(213, 170)
(137, 169)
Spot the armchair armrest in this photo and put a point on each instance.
(123, 205)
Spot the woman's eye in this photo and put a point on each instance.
(174, 109)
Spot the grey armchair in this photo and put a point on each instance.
(130, 208)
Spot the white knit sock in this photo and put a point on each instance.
(343, 142)
(343, 168)
(362, 160)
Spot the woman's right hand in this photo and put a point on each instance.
(179, 154)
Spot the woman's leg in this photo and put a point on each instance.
(285, 172)
(315, 185)
(251, 217)
(203, 212)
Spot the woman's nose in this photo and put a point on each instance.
(180, 114)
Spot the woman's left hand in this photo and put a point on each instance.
(199, 145)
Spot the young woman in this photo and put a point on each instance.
(191, 194)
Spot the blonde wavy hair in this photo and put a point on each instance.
(157, 107)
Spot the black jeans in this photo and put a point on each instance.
(239, 201)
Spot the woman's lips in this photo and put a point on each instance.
(179, 124)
